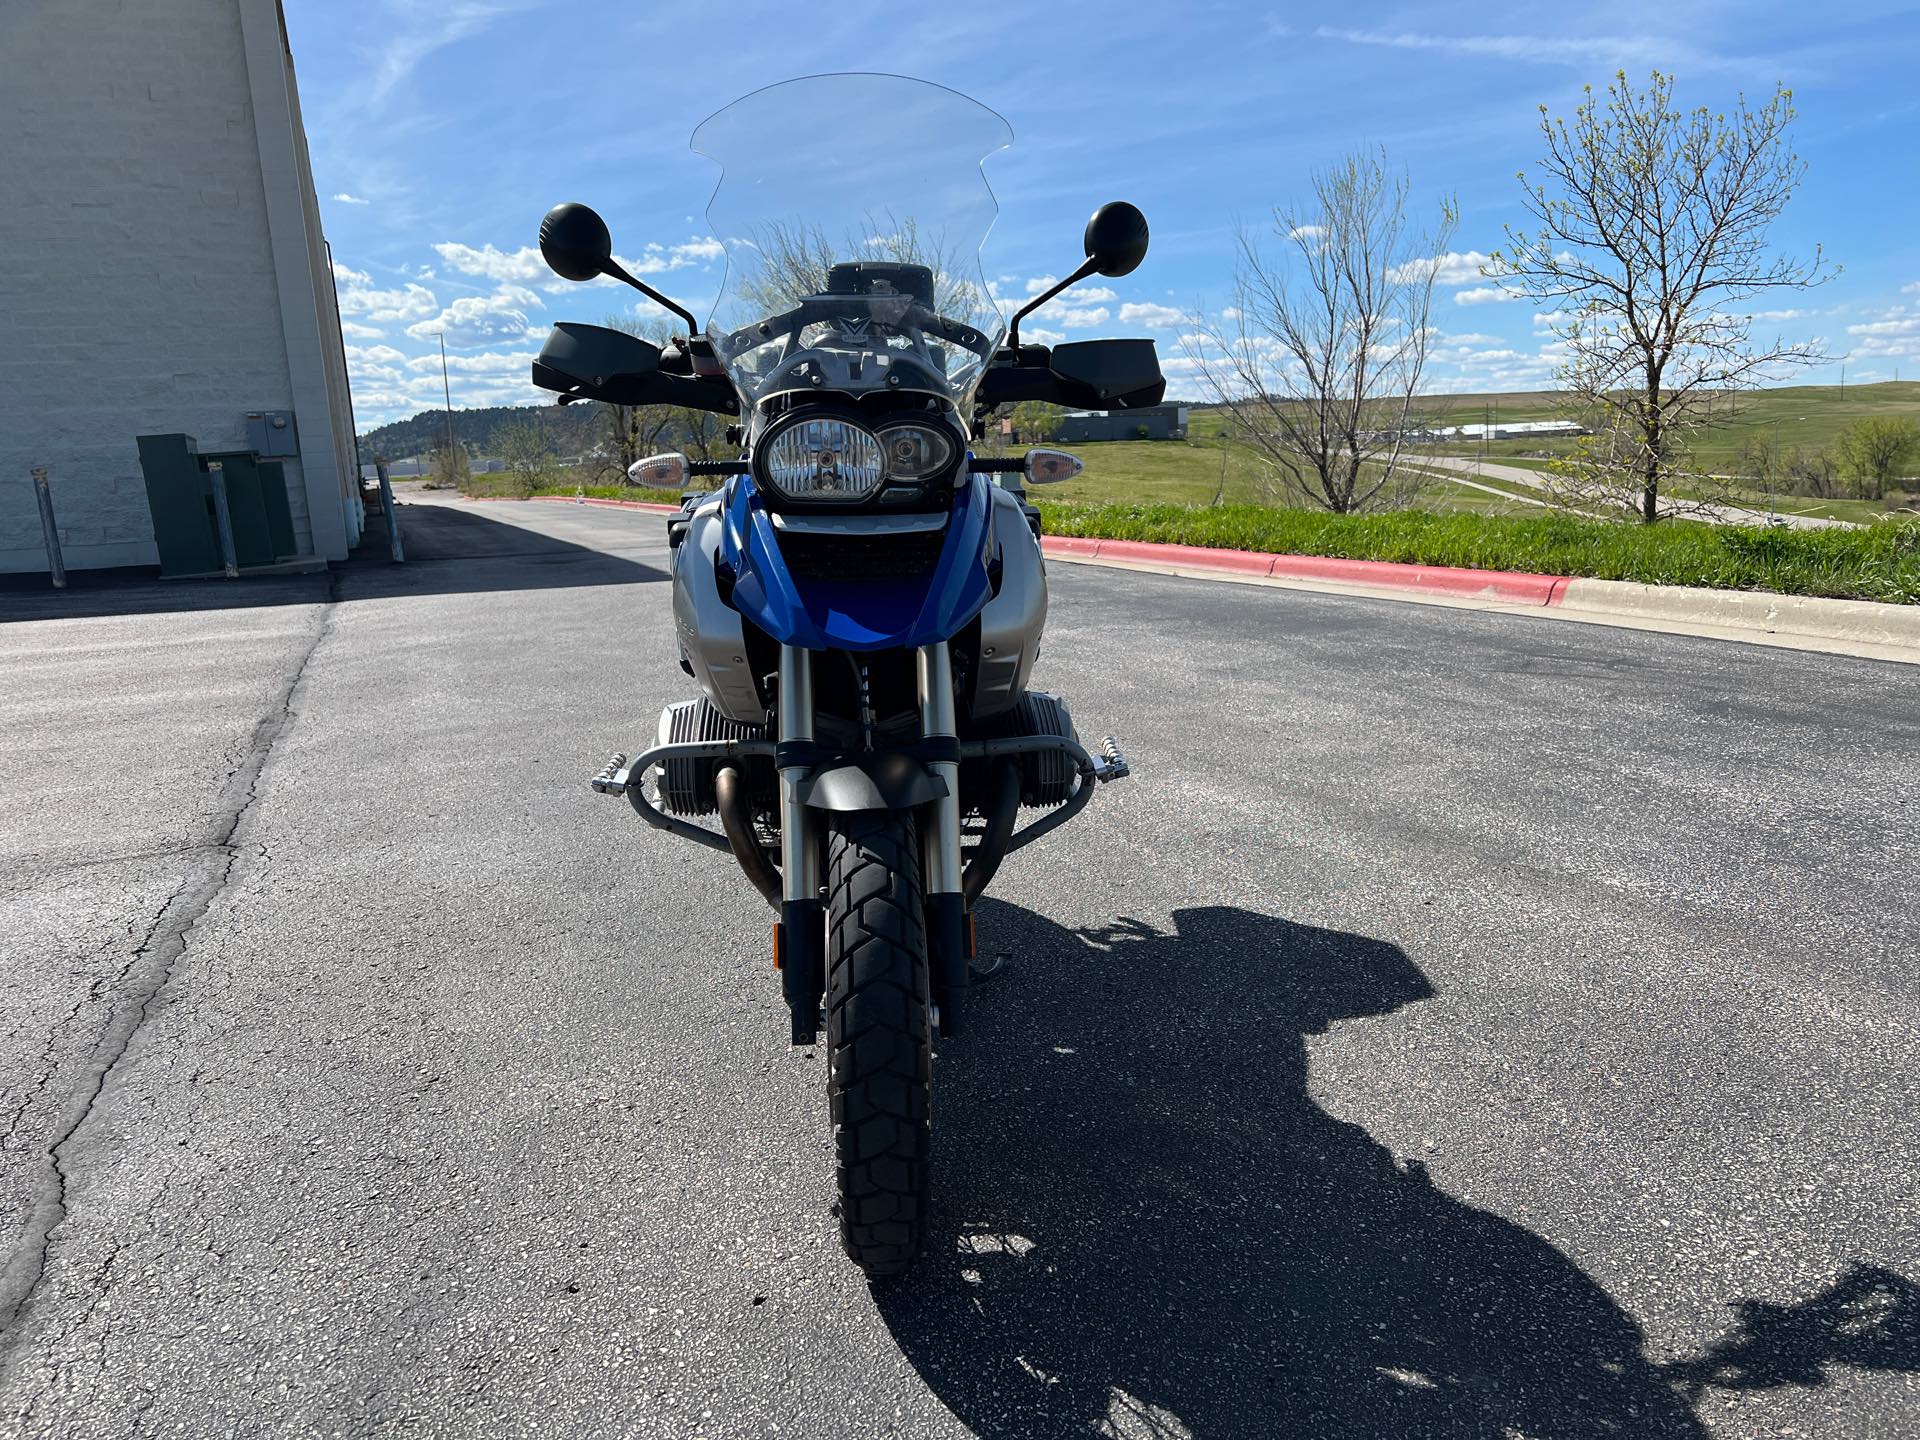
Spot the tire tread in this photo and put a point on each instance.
(879, 1037)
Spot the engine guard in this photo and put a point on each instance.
(897, 780)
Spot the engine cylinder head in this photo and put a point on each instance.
(686, 786)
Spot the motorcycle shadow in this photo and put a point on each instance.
(1145, 1226)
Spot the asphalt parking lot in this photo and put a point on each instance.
(1463, 1025)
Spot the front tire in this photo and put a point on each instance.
(879, 1037)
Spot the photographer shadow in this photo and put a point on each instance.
(1147, 1226)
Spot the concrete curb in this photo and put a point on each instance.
(1862, 622)
(1857, 626)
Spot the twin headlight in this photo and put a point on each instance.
(828, 460)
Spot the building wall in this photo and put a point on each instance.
(1161, 422)
(143, 286)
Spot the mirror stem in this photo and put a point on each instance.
(614, 269)
(1013, 330)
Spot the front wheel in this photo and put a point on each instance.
(879, 1037)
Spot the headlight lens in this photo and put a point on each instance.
(916, 452)
(825, 460)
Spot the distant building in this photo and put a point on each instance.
(1510, 430)
(164, 272)
(1155, 422)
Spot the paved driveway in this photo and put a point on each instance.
(1464, 1025)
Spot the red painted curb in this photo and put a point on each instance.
(1516, 585)
(1380, 574)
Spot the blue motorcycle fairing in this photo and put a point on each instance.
(875, 614)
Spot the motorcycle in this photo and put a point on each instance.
(859, 597)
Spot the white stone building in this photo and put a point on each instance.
(162, 268)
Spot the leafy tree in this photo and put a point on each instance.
(1037, 420)
(1321, 356)
(1763, 460)
(528, 457)
(1811, 472)
(448, 466)
(1875, 449)
(1650, 243)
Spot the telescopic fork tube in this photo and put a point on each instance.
(944, 901)
(800, 946)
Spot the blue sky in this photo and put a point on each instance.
(441, 130)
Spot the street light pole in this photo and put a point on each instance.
(446, 389)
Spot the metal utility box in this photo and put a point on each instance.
(272, 433)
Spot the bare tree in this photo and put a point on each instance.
(1320, 357)
(448, 466)
(633, 432)
(791, 263)
(1651, 239)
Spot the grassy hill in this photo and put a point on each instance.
(1805, 416)
(572, 430)
(1207, 467)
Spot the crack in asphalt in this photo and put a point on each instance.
(146, 977)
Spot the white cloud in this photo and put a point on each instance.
(481, 319)
(1456, 267)
(1182, 367)
(700, 250)
(492, 364)
(1610, 50)
(1039, 336)
(358, 297)
(1782, 314)
(525, 265)
(1484, 295)
(345, 199)
(1895, 333)
(1306, 232)
(498, 265)
(353, 330)
(1042, 282)
(1074, 318)
(424, 27)
(1232, 312)
(1156, 316)
(1913, 289)
(375, 354)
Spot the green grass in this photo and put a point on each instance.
(499, 487)
(1880, 562)
(1196, 470)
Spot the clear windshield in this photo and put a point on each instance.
(852, 209)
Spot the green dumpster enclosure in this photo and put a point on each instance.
(180, 498)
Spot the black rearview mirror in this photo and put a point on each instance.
(575, 242)
(1116, 239)
(1116, 243)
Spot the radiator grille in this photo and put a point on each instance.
(816, 555)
